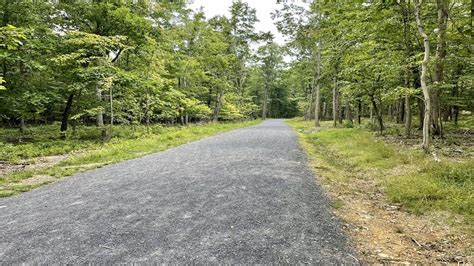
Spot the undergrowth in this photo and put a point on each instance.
(411, 178)
(126, 144)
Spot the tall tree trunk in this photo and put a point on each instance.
(324, 114)
(310, 103)
(442, 6)
(401, 110)
(209, 97)
(421, 113)
(447, 114)
(407, 116)
(65, 115)
(317, 81)
(390, 112)
(218, 106)
(100, 114)
(407, 106)
(265, 103)
(378, 113)
(456, 113)
(423, 78)
(454, 109)
(334, 103)
(317, 107)
(409, 82)
(359, 111)
(107, 133)
(241, 89)
(348, 112)
(339, 108)
(22, 125)
(111, 108)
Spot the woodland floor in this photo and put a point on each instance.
(396, 204)
(246, 196)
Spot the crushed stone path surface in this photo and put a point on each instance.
(245, 196)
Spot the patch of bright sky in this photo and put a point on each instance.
(264, 9)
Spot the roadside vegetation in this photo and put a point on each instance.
(87, 83)
(45, 157)
(373, 175)
(388, 88)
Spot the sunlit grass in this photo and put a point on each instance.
(410, 178)
(126, 144)
(445, 186)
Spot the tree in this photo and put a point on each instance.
(369, 61)
(240, 30)
(86, 60)
(270, 56)
(423, 77)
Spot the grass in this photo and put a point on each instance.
(45, 140)
(88, 153)
(408, 177)
(437, 186)
(359, 147)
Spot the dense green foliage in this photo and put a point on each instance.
(129, 62)
(126, 62)
(141, 62)
(364, 59)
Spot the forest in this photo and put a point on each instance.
(130, 62)
(379, 93)
(86, 63)
(399, 61)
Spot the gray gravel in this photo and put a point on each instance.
(245, 196)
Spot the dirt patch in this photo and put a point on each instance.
(381, 231)
(385, 233)
(37, 180)
(39, 162)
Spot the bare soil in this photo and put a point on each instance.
(37, 180)
(385, 233)
(39, 162)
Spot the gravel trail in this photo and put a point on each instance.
(246, 196)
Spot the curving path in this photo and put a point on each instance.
(245, 196)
